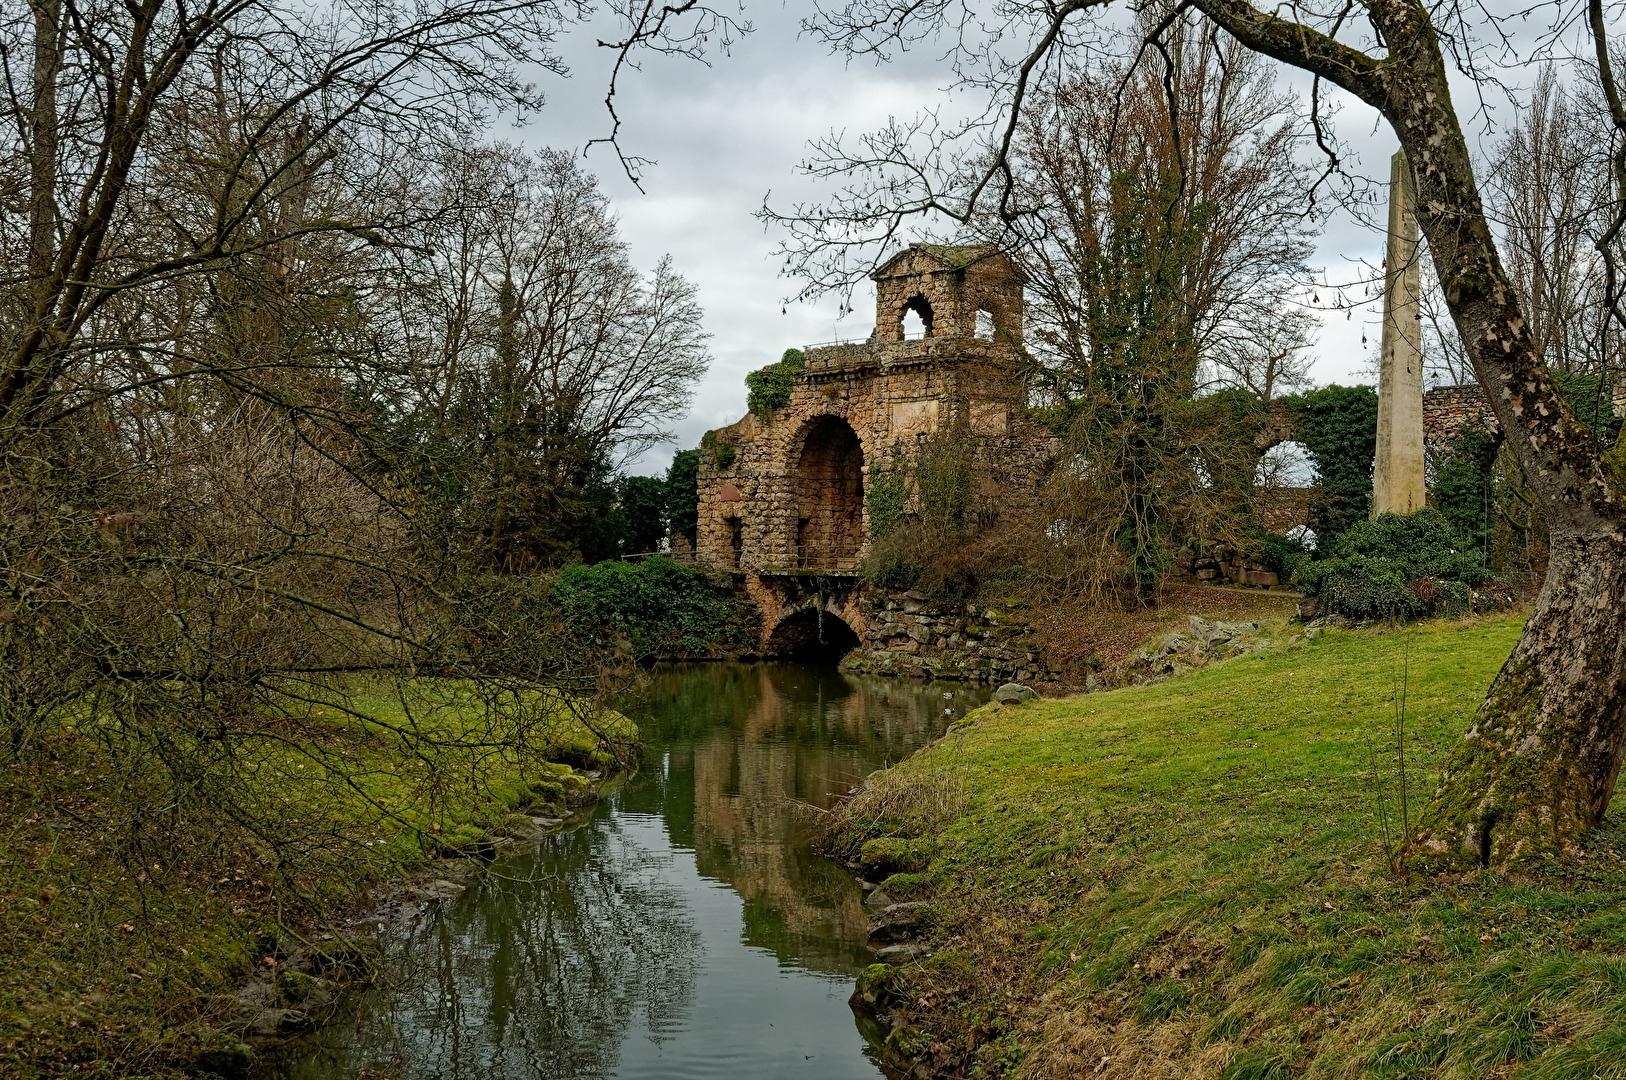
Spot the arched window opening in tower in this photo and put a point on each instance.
(917, 319)
(985, 325)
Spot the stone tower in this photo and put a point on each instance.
(783, 495)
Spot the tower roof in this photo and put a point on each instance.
(952, 256)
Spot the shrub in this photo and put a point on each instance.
(949, 568)
(893, 565)
(885, 496)
(661, 608)
(769, 388)
(1396, 566)
(1283, 554)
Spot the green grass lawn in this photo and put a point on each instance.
(1190, 879)
(123, 934)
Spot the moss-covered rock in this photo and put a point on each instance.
(545, 793)
(224, 1055)
(904, 886)
(296, 985)
(879, 989)
(460, 839)
(895, 855)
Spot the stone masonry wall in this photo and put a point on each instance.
(780, 493)
(904, 634)
(1451, 411)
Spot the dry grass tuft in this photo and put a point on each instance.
(1077, 1044)
(894, 802)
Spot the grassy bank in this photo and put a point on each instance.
(123, 939)
(1189, 879)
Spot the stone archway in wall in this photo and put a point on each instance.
(812, 633)
(829, 496)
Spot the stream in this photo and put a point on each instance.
(684, 929)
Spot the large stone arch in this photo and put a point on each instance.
(827, 467)
(810, 631)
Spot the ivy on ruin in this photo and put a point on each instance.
(1338, 427)
(769, 388)
(1464, 486)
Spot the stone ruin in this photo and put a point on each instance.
(782, 502)
(782, 496)
(1447, 413)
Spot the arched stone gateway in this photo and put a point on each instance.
(808, 614)
(812, 633)
(829, 496)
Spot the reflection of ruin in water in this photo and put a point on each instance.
(612, 950)
(810, 736)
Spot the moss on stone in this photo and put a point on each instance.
(895, 855)
(224, 1055)
(906, 886)
(879, 988)
(296, 986)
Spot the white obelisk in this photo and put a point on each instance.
(1397, 472)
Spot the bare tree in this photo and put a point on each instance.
(1274, 358)
(201, 565)
(1550, 201)
(350, 84)
(538, 356)
(1550, 196)
(1160, 228)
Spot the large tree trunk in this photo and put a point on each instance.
(1539, 766)
(43, 144)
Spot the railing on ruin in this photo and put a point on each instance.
(826, 558)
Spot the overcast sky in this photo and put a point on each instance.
(727, 135)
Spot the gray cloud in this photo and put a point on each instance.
(724, 136)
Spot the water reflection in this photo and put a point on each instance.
(686, 930)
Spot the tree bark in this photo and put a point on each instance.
(1539, 766)
(43, 141)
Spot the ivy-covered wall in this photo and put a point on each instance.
(1338, 427)
(769, 388)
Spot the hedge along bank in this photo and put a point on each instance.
(655, 608)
